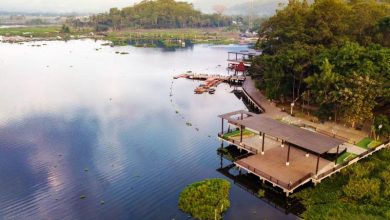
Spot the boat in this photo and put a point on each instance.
(200, 90)
(211, 91)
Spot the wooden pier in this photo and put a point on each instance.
(244, 57)
(203, 77)
(211, 81)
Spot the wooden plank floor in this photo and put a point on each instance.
(273, 163)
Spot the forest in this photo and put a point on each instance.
(159, 14)
(332, 56)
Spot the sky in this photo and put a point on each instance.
(94, 6)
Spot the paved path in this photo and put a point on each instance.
(269, 107)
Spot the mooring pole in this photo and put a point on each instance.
(337, 155)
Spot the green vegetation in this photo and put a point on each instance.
(367, 143)
(374, 143)
(382, 126)
(206, 199)
(364, 142)
(171, 37)
(226, 153)
(261, 193)
(345, 157)
(65, 29)
(158, 14)
(332, 54)
(27, 31)
(43, 31)
(361, 191)
(236, 133)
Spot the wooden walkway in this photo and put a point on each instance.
(268, 108)
(224, 78)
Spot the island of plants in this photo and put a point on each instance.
(206, 199)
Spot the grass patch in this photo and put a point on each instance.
(374, 143)
(364, 142)
(41, 31)
(345, 157)
(237, 133)
(361, 191)
(206, 199)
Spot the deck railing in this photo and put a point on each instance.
(349, 162)
(289, 186)
(239, 144)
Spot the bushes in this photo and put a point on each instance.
(206, 199)
(359, 189)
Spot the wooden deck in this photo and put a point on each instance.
(272, 166)
(245, 62)
(202, 77)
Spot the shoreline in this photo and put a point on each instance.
(139, 37)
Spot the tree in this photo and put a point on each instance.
(159, 14)
(382, 125)
(65, 29)
(358, 98)
(325, 88)
(219, 9)
(327, 49)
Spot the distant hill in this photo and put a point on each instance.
(260, 7)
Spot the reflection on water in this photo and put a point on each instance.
(79, 121)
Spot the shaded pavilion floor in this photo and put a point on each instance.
(273, 163)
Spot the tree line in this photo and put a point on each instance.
(158, 14)
(331, 54)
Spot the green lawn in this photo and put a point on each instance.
(345, 157)
(238, 133)
(367, 143)
(364, 142)
(374, 143)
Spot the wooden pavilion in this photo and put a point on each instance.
(285, 155)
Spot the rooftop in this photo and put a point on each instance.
(309, 140)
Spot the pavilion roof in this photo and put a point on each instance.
(306, 139)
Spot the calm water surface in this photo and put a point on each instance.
(79, 121)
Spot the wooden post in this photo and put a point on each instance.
(240, 133)
(262, 145)
(337, 155)
(288, 156)
(222, 127)
(318, 163)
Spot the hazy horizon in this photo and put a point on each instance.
(97, 6)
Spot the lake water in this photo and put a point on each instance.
(76, 121)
